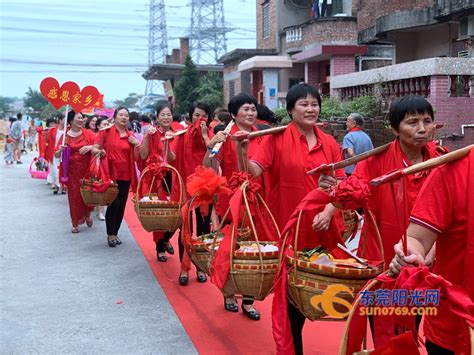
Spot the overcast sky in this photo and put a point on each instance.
(95, 42)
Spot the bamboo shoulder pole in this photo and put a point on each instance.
(426, 165)
(218, 146)
(238, 136)
(342, 164)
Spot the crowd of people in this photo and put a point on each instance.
(433, 202)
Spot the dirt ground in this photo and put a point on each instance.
(3, 131)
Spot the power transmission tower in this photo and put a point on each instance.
(208, 31)
(157, 41)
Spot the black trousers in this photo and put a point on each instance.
(434, 349)
(114, 214)
(160, 245)
(297, 320)
(203, 226)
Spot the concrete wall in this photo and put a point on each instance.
(292, 73)
(271, 40)
(433, 42)
(370, 10)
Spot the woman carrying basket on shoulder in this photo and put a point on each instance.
(153, 146)
(188, 150)
(121, 148)
(442, 214)
(412, 121)
(243, 109)
(287, 156)
(80, 142)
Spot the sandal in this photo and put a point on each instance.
(201, 277)
(112, 242)
(118, 241)
(89, 221)
(75, 229)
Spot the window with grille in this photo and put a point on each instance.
(266, 20)
(231, 88)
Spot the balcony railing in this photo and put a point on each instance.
(408, 78)
(294, 34)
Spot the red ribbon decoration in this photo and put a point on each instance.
(221, 264)
(204, 185)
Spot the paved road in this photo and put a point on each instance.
(59, 291)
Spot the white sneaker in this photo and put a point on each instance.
(101, 217)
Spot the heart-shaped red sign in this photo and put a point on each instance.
(68, 94)
(49, 87)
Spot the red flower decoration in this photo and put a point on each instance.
(352, 193)
(204, 184)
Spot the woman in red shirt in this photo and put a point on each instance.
(152, 145)
(412, 120)
(441, 214)
(80, 142)
(243, 109)
(287, 156)
(189, 149)
(121, 148)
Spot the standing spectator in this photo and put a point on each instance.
(8, 154)
(16, 134)
(356, 141)
(32, 136)
(52, 141)
(145, 122)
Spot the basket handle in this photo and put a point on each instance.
(345, 337)
(180, 181)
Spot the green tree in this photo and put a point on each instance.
(5, 105)
(34, 99)
(210, 90)
(186, 86)
(130, 101)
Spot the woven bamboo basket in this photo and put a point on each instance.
(251, 273)
(306, 280)
(200, 254)
(158, 215)
(350, 223)
(94, 198)
(345, 338)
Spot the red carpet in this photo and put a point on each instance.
(212, 329)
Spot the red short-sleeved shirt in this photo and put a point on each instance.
(118, 152)
(442, 207)
(287, 157)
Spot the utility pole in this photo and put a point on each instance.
(157, 41)
(208, 31)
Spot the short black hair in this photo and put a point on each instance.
(236, 102)
(19, 116)
(99, 121)
(265, 114)
(225, 117)
(201, 105)
(162, 106)
(300, 91)
(70, 116)
(176, 117)
(120, 108)
(219, 128)
(134, 116)
(410, 104)
(50, 120)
